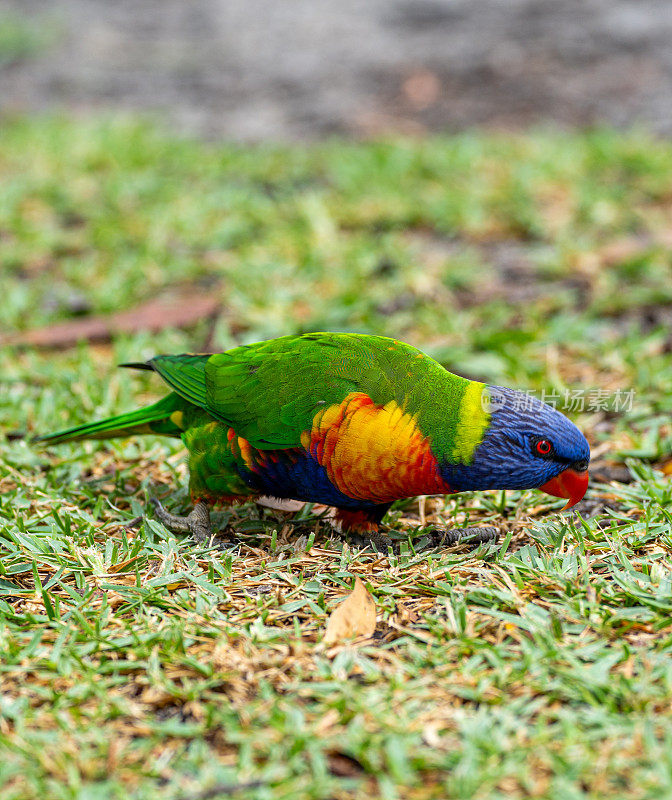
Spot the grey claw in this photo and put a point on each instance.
(378, 542)
(197, 523)
(473, 536)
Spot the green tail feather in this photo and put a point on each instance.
(153, 419)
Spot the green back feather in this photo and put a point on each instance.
(269, 392)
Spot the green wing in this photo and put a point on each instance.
(274, 389)
(185, 374)
(269, 392)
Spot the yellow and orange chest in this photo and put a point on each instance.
(373, 452)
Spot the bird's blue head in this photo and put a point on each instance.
(526, 445)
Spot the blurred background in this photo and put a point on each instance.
(489, 180)
(253, 70)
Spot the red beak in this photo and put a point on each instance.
(570, 484)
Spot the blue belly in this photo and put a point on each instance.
(296, 475)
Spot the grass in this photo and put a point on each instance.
(135, 664)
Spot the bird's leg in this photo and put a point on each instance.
(197, 523)
(361, 528)
(378, 541)
(473, 536)
(435, 538)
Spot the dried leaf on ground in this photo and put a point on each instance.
(344, 765)
(355, 616)
(180, 311)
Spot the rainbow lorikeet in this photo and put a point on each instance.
(348, 420)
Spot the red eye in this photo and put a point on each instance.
(544, 447)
